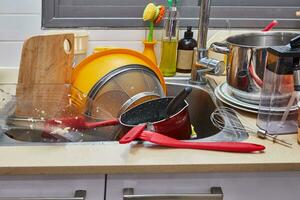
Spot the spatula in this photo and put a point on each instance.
(162, 140)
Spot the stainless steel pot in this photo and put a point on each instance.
(246, 57)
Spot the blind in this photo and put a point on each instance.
(128, 13)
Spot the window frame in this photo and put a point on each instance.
(260, 15)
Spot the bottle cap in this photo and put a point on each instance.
(188, 33)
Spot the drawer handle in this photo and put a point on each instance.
(216, 193)
(78, 195)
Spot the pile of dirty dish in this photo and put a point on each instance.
(246, 60)
(263, 76)
(55, 102)
(115, 94)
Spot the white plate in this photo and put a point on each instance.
(234, 105)
(248, 97)
(225, 95)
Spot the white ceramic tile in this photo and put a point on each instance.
(20, 6)
(19, 27)
(10, 54)
(135, 45)
(9, 75)
(117, 35)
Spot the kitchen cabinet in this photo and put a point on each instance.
(52, 187)
(235, 186)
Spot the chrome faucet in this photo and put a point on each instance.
(201, 63)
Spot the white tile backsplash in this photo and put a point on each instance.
(116, 35)
(18, 27)
(10, 54)
(20, 6)
(135, 45)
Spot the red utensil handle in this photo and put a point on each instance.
(270, 26)
(132, 134)
(240, 147)
(254, 76)
(111, 122)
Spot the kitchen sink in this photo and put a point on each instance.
(202, 103)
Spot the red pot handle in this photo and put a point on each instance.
(240, 147)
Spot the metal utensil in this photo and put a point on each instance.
(217, 119)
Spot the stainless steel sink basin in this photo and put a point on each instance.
(201, 106)
(202, 103)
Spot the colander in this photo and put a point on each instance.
(115, 80)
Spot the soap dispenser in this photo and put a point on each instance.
(185, 51)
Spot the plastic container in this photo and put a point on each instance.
(278, 106)
(185, 52)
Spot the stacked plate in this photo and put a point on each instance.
(241, 100)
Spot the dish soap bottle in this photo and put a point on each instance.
(185, 51)
(169, 43)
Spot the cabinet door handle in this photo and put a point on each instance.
(216, 193)
(78, 195)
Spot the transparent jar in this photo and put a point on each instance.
(278, 105)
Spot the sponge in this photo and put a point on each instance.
(154, 14)
(150, 12)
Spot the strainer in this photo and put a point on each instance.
(122, 89)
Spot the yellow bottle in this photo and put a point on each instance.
(169, 43)
(168, 57)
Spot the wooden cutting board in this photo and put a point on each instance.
(46, 64)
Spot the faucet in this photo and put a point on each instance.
(201, 63)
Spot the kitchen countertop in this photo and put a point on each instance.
(111, 157)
